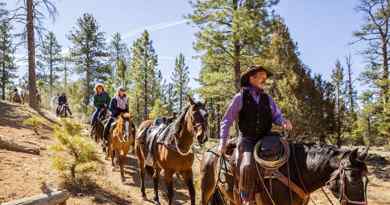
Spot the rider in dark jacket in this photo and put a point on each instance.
(101, 100)
(255, 111)
(63, 101)
(119, 104)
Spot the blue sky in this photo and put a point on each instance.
(322, 29)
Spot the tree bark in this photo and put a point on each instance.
(32, 89)
(236, 53)
(12, 146)
(52, 198)
(3, 77)
(385, 77)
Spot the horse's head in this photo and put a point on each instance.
(349, 182)
(128, 126)
(197, 115)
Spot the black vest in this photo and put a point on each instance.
(255, 120)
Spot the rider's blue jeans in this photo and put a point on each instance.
(95, 115)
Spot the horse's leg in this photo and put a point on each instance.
(121, 164)
(155, 173)
(189, 180)
(141, 165)
(168, 176)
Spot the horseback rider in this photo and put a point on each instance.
(15, 96)
(255, 111)
(119, 104)
(63, 101)
(101, 100)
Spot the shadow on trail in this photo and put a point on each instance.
(99, 194)
(12, 115)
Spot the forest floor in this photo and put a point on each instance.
(24, 175)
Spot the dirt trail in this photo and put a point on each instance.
(23, 175)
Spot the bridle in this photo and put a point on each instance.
(343, 198)
(195, 126)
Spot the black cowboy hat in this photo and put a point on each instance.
(244, 80)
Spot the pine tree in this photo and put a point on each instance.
(87, 51)
(144, 76)
(33, 13)
(375, 34)
(351, 93)
(50, 59)
(168, 95)
(302, 98)
(118, 52)
(121, 72)
(338, 84)
(180, 78)
(228, 44)
(7, 58)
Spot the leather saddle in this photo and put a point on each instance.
(271, 148)
(152, 134)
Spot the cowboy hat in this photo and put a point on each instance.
(244, 80)
(99, 85)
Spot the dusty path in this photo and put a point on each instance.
(23, 175)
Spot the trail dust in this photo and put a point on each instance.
(24, 175)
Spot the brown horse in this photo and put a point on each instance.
(175, 156)
(310, 167)
(121, 140)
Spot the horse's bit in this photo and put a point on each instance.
(343, 198)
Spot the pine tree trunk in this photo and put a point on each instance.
(385, 78)
(65, 75)
(32, 89)
(51, 80)
(236, 60)
(350, 85)
(3, 77)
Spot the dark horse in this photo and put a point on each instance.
(98, 127)
(174, 156)
(310, 166)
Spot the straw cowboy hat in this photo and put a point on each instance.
(244, 80)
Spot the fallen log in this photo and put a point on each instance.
(52, 198)
(13, 146)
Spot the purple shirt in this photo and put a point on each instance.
(234, 109)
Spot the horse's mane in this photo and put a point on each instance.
(177, 124)
(319, 155)
(118, 131)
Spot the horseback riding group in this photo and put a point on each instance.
(256, 167)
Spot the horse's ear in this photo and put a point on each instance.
(353, 155)
(190, 100)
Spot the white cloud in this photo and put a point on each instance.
(155, 27)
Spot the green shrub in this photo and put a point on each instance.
(74, 155)
(35, 122)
